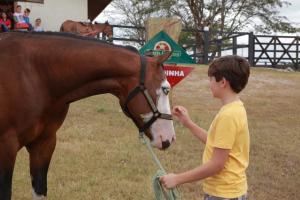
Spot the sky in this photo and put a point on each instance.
(292, 12)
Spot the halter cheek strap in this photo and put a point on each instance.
(141, 88)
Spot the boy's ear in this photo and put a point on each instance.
(224, 82)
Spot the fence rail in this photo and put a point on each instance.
(261, 50)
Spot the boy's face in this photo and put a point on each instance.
(26, 13)
(38, 22)
(19, 9)
(216, 88)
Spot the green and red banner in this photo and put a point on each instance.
(162, 42)
(174, 66)
(176, 73)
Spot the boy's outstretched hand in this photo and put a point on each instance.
(169, 181)
(181, 114)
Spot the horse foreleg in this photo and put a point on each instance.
(40, 153)
(5, 182)
(8, 152)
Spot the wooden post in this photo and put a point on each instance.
(297, 51)
(219, 46)
(274, 62)
(206, 44)
(234, 46)
(251, 48)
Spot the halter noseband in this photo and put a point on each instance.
(142, 88)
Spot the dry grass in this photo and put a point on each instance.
(99, 156)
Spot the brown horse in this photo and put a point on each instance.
(42, 73)
(104, 28)
(87, 29)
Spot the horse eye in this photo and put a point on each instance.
(166, 90)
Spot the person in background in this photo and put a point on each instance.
(26, 18)
(19, 19)
(37, 26)
(5, 22)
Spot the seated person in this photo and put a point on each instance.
(19, 19)
(5, 22)
(37, 26)
(26, 18)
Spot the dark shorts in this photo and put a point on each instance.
(209, 197)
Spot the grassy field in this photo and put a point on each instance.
(99, 155)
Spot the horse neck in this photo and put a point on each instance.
(92, 69)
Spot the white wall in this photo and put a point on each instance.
(54, 12)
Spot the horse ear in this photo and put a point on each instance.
(106, 22)
(162, 58)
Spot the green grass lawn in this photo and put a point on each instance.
(99, 156)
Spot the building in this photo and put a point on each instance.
(54, 12)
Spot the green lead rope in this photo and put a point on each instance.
(160, 192)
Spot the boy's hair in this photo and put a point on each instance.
(234, 69)
(19, 6)
(27, 10)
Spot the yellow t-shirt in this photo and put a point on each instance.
(229, 130)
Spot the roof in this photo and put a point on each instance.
(95, 7)
(103, 4)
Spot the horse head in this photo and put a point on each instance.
(146, 102)
(104, 28)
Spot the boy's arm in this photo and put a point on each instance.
(212, 167)
(197, 131)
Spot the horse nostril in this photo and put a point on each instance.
(173, 139)
(165, 144)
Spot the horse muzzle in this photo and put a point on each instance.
(165, 144)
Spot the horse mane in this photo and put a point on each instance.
(75, 36)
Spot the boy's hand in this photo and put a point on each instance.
(169, 181)
(181, 114)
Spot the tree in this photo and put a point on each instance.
(136, 12)
(221, 16)
(226, 16)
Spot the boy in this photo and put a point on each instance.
(18, 16)
(26, 18)
(38, 27)
(226, 154)
(19, 19)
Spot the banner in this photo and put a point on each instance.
(162, 42)
(176, 73)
